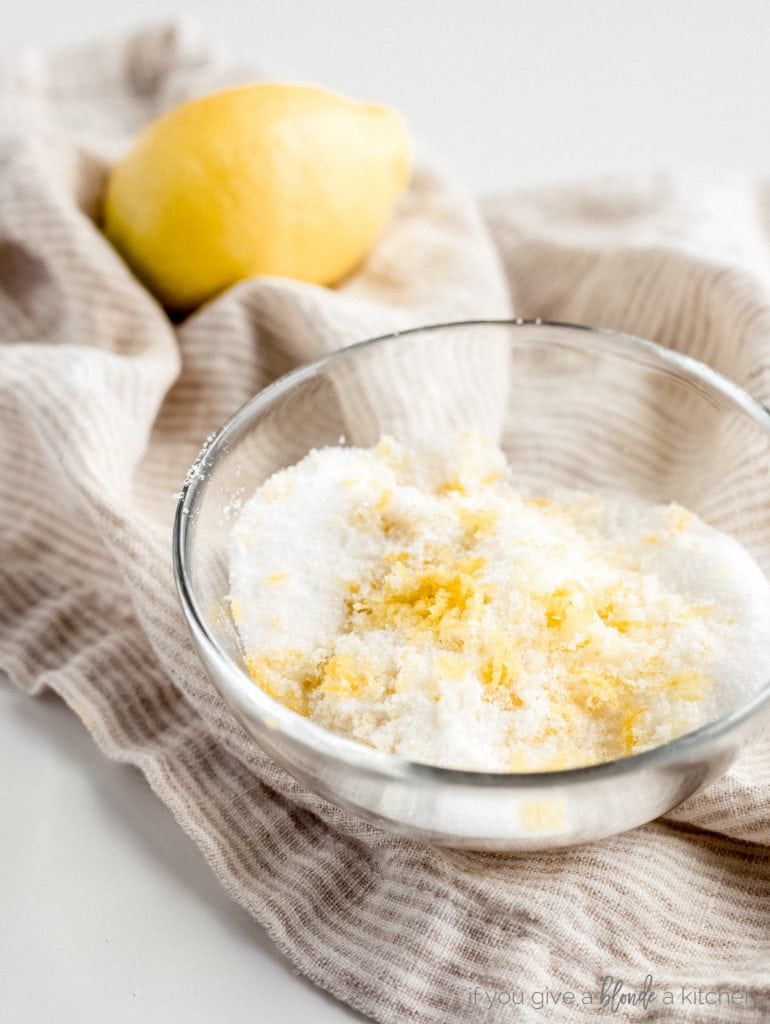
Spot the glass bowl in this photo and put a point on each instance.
(570, 406)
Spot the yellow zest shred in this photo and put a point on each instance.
(595, 692)
(395, 556)
(628, 725)
(275, 579)
(688, 685)
(501, 670)
(438, 598)
(343, 676)
(452, 485)
(569, 607)
(678, 518)
(452, 667)
(478, 523)
(273, 673)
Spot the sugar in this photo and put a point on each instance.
(418, 602)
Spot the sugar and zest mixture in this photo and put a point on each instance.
(417, 602)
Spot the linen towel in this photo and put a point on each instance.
(104, 403)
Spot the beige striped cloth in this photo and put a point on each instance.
(104, 403)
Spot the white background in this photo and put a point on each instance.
(515, 92)
(107, 911)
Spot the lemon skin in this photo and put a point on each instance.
(274, 178)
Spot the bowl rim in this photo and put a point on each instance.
(369, 760)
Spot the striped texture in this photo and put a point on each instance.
(103, 405)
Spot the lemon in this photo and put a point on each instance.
(274, 178)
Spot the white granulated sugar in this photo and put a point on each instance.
(417, 602)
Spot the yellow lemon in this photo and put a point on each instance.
(274, 178)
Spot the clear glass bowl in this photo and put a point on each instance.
(570, 406)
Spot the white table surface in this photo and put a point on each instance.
(107, 911)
